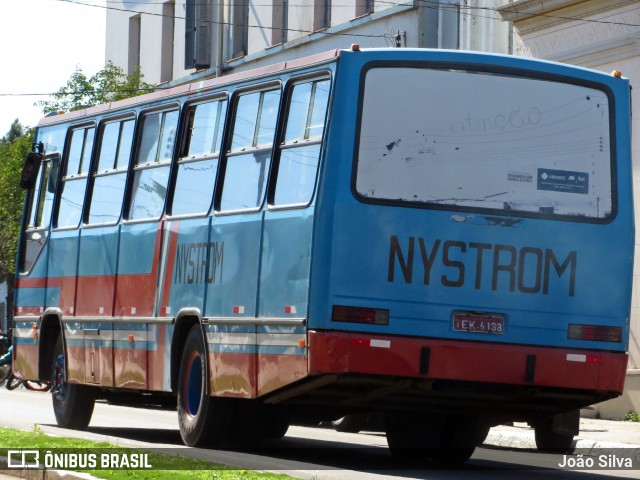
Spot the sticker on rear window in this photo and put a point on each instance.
(563, 181)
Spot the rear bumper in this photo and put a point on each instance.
(436, 359)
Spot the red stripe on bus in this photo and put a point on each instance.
(38, 282)
(95, 293)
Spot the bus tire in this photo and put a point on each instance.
(413, 437)
(549, 441)
(438, 439)
(277, 423)
(203, 420)
(72, 403)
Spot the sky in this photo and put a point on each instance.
(43, 41)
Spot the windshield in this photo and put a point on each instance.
(466, 139)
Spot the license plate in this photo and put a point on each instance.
(477, 323)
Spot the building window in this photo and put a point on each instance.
(280, 21)
(198, 34)
(321, 14)
(240, 29)
(449, 21)
(364, 7)
(166, 54)
(134, 44)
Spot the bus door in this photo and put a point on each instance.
(32, 276)
(287, 236)
(140, 247)
(64, 243)
(236, 238)
(97, 259)
(31, 279)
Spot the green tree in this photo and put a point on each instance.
(14, 147)
(107, 85)
(16, 131)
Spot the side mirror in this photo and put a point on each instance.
(30, 170)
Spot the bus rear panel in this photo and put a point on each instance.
(475, 246)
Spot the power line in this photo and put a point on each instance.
(432, 4)
(232, 24)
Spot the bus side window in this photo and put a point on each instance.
(198, 164)
(74, 183)
(247, 162)
(110, 177)
(300, 151)
(151, 172)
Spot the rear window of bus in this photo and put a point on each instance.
(472, 140)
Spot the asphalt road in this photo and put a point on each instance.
(305, 452)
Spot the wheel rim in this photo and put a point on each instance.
(58, 388)
(193, 385)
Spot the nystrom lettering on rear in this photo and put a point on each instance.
(525, 269)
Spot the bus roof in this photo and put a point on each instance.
(190, 88)
(319, 58)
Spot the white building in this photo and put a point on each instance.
(603, 35)
(179, 41)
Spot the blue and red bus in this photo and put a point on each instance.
(444, 237)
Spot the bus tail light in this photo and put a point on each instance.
(596, 333)
(371, 316)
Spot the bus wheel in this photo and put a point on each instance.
(72, 404)
(462, 435)
(437, 439)
(203, 420)
(550, 441)
(556, 433)
(413, 436)
(277, 423)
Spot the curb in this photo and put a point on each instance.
(41, 474)
(525, 440)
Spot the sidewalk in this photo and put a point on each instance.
(594, 435)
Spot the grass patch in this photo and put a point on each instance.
(165, 466)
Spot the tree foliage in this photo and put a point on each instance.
(107, 85)
(14, 147)
(15, 132)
